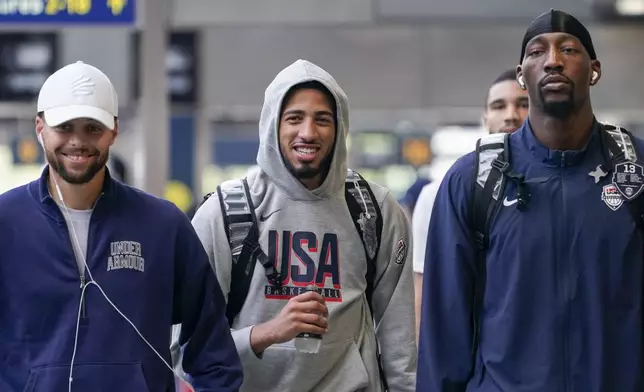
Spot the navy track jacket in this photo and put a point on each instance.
(562, 310)
(149, 261)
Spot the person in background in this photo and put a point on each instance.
(410, 198)
(506, 104)
(506, 108)
(118, 168)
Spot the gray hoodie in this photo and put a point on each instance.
(318, 224)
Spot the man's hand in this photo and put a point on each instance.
(306, 313)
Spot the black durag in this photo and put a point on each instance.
(555, 21)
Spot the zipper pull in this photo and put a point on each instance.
(83, 315)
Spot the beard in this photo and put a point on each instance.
(84, 177)
(560, 110)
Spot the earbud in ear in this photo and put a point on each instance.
(42, 144)
(521, 83)
(593, 79)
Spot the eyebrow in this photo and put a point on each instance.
(301, 112)
(536, 40)
(89, 122)
(504, 100)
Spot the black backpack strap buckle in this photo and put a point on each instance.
(480, 240)
(270, 271)
(503, 167)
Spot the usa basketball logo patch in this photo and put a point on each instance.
(612, 197)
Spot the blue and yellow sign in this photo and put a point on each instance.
(68, 11)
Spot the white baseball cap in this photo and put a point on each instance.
(78, 90)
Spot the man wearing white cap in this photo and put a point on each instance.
(93, 273)
(82, 95)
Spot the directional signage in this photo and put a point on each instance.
(26, 60)
(181, 62)
(67, 11)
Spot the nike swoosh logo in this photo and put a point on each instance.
(263, 218)
(508, 203)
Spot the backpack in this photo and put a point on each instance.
(493, 170)
(240, 224)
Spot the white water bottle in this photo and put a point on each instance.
(309, 342)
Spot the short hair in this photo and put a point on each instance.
(508, 74)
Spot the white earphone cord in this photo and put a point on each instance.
(80, 304)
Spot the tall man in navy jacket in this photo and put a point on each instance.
(94, 273)
(562, 306)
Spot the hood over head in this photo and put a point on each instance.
(269, 157)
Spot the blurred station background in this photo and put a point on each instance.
(191, 75)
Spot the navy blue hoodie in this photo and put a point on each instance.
(563, 304)
(149, 261)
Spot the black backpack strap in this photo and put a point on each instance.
(240, 225)
(492, 169)
(492, 162)
(367, 218)
(620, 151)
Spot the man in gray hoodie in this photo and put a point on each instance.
(299, 197)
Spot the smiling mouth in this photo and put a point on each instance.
(79, 158)
(306, 153)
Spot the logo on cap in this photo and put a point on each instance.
(83, 85)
